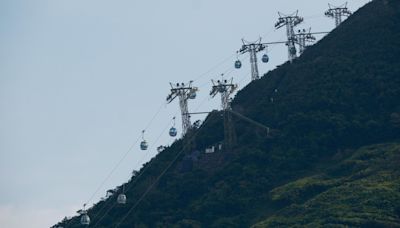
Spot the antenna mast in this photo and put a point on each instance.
(184, 92)
(337, 13)
(290, 21)
(253, 48)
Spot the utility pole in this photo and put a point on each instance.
(290, 21)
(253, 48)
(302, 37)
(184, 92)
(226, 89)
(337, 13)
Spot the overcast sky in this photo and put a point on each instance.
(80, 79)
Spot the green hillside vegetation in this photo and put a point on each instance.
(331, 161)
(361, 191)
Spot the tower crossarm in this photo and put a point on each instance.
(253, 48)
(337, 12)
(290, 21)
(184, 92)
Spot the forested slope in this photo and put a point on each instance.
(320, 167)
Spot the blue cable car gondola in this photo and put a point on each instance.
(265, 58)
(144, 145)
(238, 64)
(192, 93)
(172, 131)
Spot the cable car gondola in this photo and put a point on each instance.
(238, 64)
(85, 219)
(265, 58)
(121, 199)
(172, 131)
(192, 93)
(143, 145)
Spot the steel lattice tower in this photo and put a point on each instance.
(290, 21)
(226, 88)
(337, 13)
(252, 48)
(184, 92)
(302, 37)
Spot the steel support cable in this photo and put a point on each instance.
(226, 72)
(229, 70)
(251, 121)
(200, 76)
(162, 173)
(314, 16)
(136, 178)
(157, 179)
(214, 67)
(121, 160)
(123, 157)
(176, 158)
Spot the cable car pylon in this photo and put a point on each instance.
(290, 21)
(226, 88)
(184, 93)
(302, 37)
(337, 12)
(253, 48)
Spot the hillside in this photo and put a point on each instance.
(333, 159)
(361, 191)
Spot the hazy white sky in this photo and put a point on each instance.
(80, 79)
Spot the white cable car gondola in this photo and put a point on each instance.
(85, 219)
(121, 199)
(143, 144)
(172, 131)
